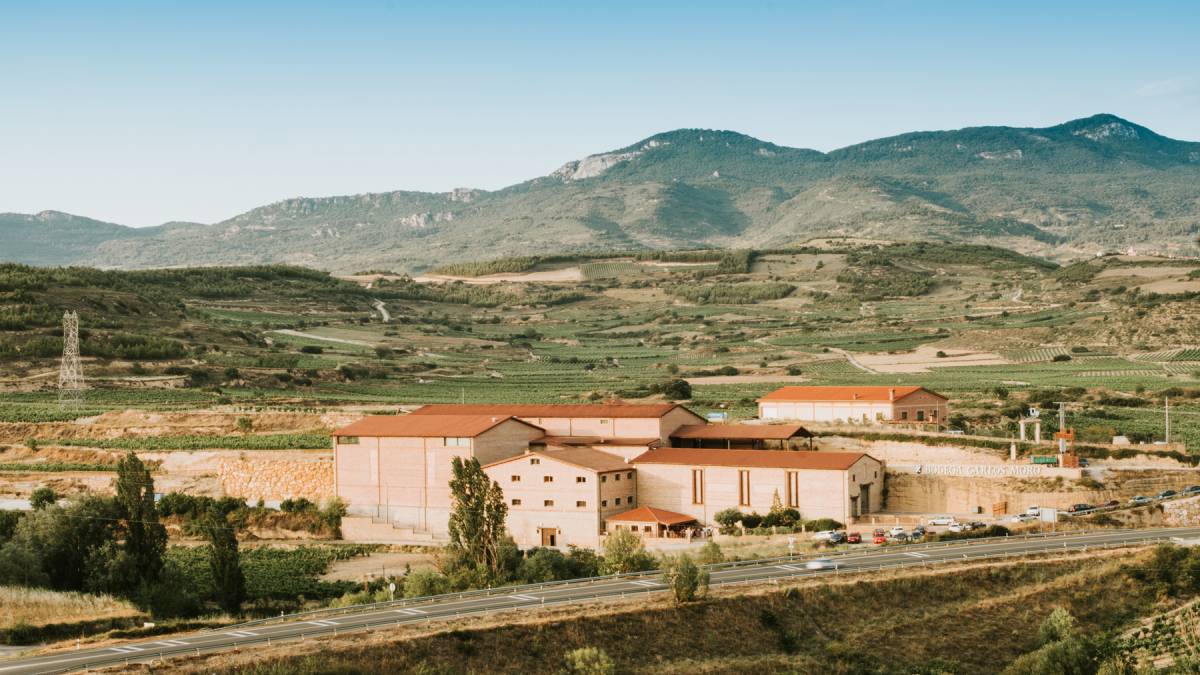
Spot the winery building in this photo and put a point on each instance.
(913, 405)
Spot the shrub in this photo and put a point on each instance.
(751, 520)
(727, 517)
(710, 554)
(383, 351)
(1061, 357)
(424, 583)
(312, 349)
(823, 524)
(175, 370)
(176, 504)
(41, 498)
(686, 581)
(298, 505)
(941, 355)
(231, 373)
(586, 661)
(245, 424)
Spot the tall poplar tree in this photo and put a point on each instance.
(224, 560)
(145, 537)
(477, 514)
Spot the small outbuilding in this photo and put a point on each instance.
(742, 437)
(650, 522)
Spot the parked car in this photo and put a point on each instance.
(1033, 510)
(956, 432)
(1190, 490)
(918, 532)
(1110, 504)
(973, 525)
(943, 520)
(823, 564)
(1023, 518)
(1136, 501)
(824, 535)
(896, 530)
(1084, 463)
(836, 538)
(901, 536)
(1166, 493)
(880, 537)
(854, 538)
(1080, 508)
(958, 527)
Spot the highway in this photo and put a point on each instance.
(375, 617)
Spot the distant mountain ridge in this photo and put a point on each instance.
(1060, 192)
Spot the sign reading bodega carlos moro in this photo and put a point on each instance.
(975, 470)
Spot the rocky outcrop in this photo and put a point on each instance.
(464, 194)
(423, 219)
(590, 167)
(1112, 130)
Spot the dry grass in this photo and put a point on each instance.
(38, 606)
(983, 615)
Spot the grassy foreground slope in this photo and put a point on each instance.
(981, 616)
(1099, 182)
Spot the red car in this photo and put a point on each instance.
(854, 538)
(1109, 505)
(880, 537)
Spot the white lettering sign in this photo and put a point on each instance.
(980, 470)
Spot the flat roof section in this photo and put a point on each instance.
(649, 514)
(407, 426)
(840, 394)
(755, 432)
(768, 459)
(576, 410)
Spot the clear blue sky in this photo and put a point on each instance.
(141, 113)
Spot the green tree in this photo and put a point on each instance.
(1059, 626)
(477, 514)
(625, 552)
(710, 554)
(776, 503)
(224, 560)
(145, 537)
(41, 498)
(686, 581)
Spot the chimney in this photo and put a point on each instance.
(855, 395)
(891, 394)
(495, 419)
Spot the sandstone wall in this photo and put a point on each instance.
(1183, 512)
(277, 479)
(956, 495)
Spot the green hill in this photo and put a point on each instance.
(1091, 184)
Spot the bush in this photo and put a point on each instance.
(823, 524)
(383, 352)
(175, 370)
(312, 349)
(710, 554)
(727, 517)
(41, 498)
(686, 581)
(1061, 357)
(586, 661)
(176, 504)
(751, 520)
(231, 373)
(245, 424)
(424, 583)
(298, 505)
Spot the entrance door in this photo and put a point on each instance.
(864, 499)
(548, 537)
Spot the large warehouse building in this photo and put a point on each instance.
(567, 471)
(914, 405)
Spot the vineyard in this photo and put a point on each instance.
(604, 270)
(274, 573)
(264, 442)
(1032, 355)
(59, 467)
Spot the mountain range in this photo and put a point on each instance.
(1099, 183)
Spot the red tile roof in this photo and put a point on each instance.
(742, 431)
(770, 459)
(408, 426)
(806, 394)
(577, 410)
(649, 514)
(584, 458)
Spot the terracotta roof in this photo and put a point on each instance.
(577, 410)
(584, 458)
(649, 514)
(773, 459)
(467, 426)
(742, 431)
(842, 393)
(596, 440)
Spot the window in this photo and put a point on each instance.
(793, 489)
(645, 528)
(629, 500)
(580, 479)
(603, 479)
(933, 414)
(516, 502)
(744, 488)
(920, 415)
(618, 501)
(580, 505)
(629, 475)
(604, 503)
(534, 460)
(853, 478)
(878, 417)
(877, 474)
(548, 502)
(697, 486)
(617, 476)
(904, 415)
(547, 479)
(603, 421)
(515, 479)
(348, 440)
(457, 442)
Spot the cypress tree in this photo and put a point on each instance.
(225, 561)
(477, 514)
(145, 537)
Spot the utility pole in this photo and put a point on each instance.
(1062, 424)
(70, 373)
(1167, 403)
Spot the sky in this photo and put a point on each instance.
(145, 113)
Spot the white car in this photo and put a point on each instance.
(823, 536)
(943, 520)
(895, 531)
(1023, 518)
(957, 527)
(1033, 511)
(823, 564)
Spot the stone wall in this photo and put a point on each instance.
(1183, 512)
(277, 479)
(956, 495)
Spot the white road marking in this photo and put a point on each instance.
(523, 597)
(410, 612)
(917, 555)
(789, 568)
(322, 623)
(242, 633)
(126, 650)
(172, 643)
(646, 583)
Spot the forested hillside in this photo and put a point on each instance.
(1100, 183)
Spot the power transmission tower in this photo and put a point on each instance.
(70, 375)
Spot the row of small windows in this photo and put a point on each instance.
(578, 505)
(578, 479)
(457, 442)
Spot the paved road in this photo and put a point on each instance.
(427, 611)
(379, 306)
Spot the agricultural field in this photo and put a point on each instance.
(278, 337)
